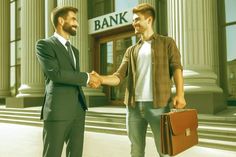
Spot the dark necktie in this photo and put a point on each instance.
(70, 53)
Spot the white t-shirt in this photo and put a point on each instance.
(143, 90)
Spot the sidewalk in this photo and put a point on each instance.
(26, 141)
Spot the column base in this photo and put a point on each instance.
(5, 93)
(206, 102)
(95, 97)
(27, 90)
(22, 102)
(202, 92)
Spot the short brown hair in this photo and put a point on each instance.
(145, 9)
(61, 12)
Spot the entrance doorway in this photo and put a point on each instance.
(111, 51)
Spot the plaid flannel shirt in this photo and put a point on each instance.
(165, 60)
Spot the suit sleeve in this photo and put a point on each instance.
(50, 66)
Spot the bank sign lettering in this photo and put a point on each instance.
(110, 21)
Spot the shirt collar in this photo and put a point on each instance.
(60, 38)
(153, 37)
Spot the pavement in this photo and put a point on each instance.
(26, 141)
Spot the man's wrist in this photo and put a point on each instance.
(180, 94)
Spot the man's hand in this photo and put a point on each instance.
(179, 102)
(95, 80)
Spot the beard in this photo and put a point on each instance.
(69, 29)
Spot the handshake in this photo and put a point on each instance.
(95, 80)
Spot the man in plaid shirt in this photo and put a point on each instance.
(149, 66)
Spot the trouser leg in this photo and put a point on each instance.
(75, 139)
(154, 116)
(54, 134)
(137, 127)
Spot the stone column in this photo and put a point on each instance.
(94, 97)
(31, 90)
(4, 49)
(153, 3)
(193, 25)
(49, 6)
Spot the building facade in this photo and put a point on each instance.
(204, 30)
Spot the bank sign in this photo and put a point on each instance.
(110, 21)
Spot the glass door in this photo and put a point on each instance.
(112, 49)
(230, 28)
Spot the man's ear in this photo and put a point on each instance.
(61, 21)
(150, 20)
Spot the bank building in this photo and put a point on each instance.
(204, 31)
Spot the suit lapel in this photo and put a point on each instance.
(63, 49)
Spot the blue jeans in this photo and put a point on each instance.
(137, 121)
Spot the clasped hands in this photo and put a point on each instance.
(95, 80)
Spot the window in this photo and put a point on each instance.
(15, 45)
(230, 36)
(230, 10)
(124, 4)
(101, 7)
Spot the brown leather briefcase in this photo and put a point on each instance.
(178, 131)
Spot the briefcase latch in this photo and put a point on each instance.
(187, 132)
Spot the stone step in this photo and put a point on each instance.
(217, 137)
(218, 144)
(114, 125)
(218, 124)
(110, 121)
(103, 126)
(22, 122)
(202, 118)
(94, 125)
(105, 119)
(206, 120)
(212, 143)
(106, 113)
(31, 110)
(203, 127)
(20, 113)
(216, 119)
(214, 132)
(17, 117)
(219, 130)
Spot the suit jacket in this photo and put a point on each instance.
(63, 93)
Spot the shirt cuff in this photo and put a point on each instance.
(88, 78)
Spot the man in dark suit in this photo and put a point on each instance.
(64, 107)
